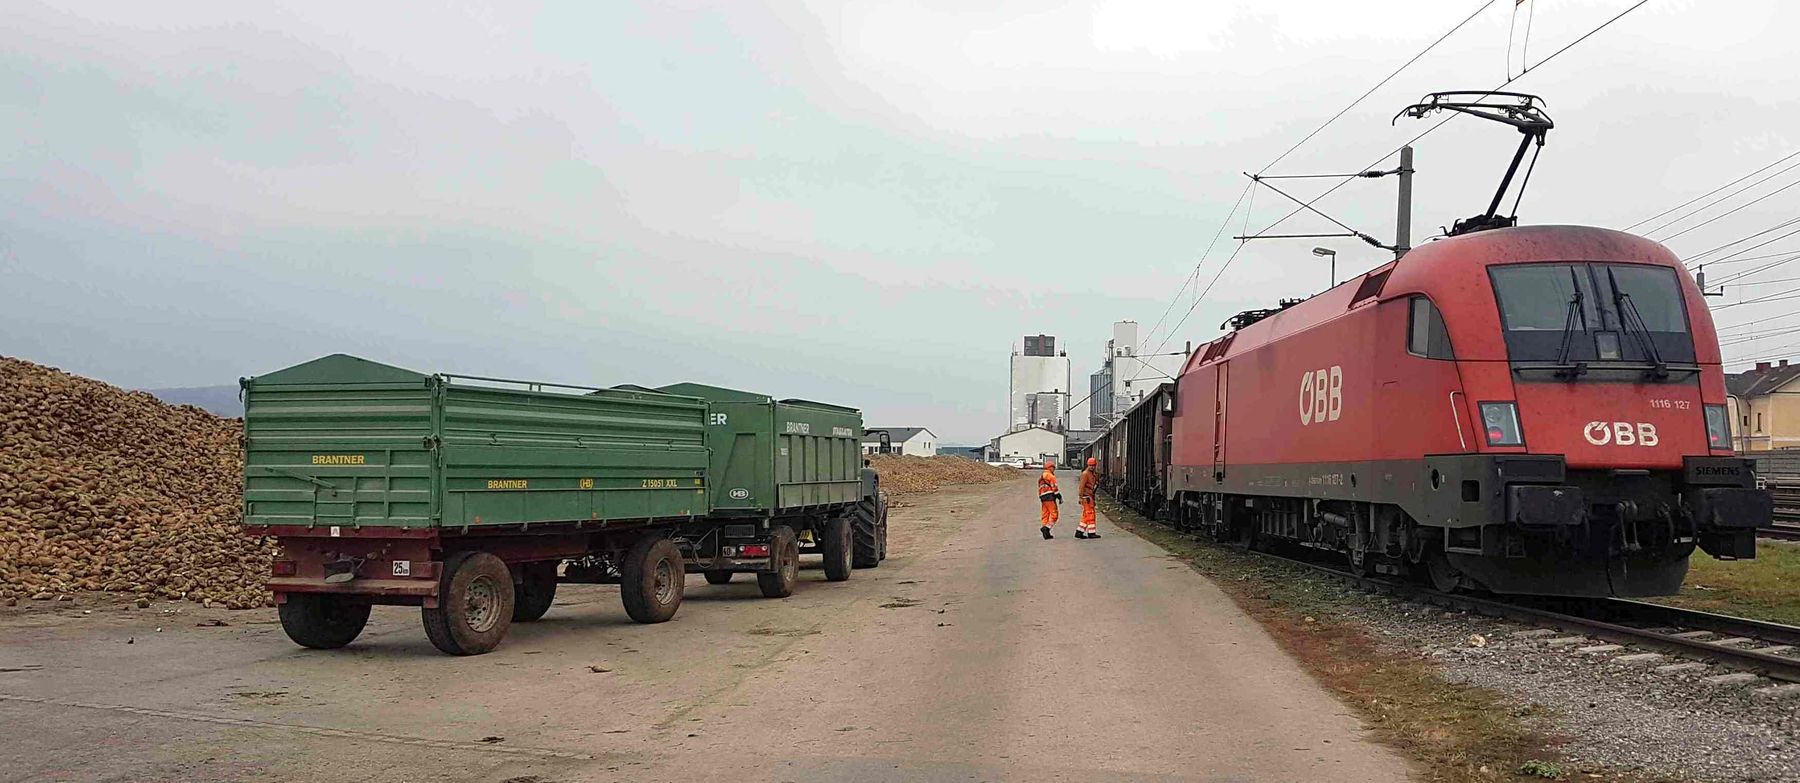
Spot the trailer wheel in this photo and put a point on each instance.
(654, 580)
(868, 529)
(719, 577)
(835, 546)
(536, 591)
(475, 604)
(322, 621)
(786, 549)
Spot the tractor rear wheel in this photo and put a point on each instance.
(834, 544)
(868, 528)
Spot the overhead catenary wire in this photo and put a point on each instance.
(1684, 204)
(1378, 85)
(1195, 274)
(1694, 261)
(1449, 117)
(1733, 210)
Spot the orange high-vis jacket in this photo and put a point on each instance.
(1090, 479)
(1047, 486)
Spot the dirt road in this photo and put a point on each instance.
(977, 652)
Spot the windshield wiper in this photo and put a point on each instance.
(1573, 319)
(1628, 313)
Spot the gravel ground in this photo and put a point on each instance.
(1626, 716)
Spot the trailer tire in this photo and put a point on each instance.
(323, 621)
(836, 547)
(536, 591)
(475, 604)
(868, 528)
(784, 547)
(719, 577)
(654, 579)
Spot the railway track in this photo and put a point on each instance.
(1769, 649)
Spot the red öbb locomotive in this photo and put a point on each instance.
(1526, 410)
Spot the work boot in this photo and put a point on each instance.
(1046, 531)
(1079, 534)
(1093, 535)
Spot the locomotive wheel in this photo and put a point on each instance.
(785, 549)
(654, 579)
(719, 577)
(536, 591)
(835, 546)
(1444, 577)
(322, 621)
(475, 604)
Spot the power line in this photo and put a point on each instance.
(1778, 296)
(1195, 274)
(1714, 190)
(1758, 270)
(1447, 118)
(1378, 85)
(1765, 243)
(1733, 210)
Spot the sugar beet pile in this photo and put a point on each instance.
(107, 489)
(903, 475)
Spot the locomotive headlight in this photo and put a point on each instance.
(1718, 428)
(1501, 420)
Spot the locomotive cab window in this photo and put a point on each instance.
(1427, 336)
(1591, 312)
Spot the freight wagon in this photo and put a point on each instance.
(473, 498)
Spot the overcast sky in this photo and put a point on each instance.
(859, 203)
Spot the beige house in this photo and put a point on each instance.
(1764, 406)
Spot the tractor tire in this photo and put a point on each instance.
(784, 547)
(654, 579)
(475, 604)
(834, 544)
(323, 621)
(719, 577)
(868, 528)
(536, 591)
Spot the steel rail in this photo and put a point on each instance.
(1771, 665)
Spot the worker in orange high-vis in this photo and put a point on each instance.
(1048, 498)
(1090, 480)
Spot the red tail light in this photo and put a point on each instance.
(754, 550)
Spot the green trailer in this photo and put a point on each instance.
(786, 473)
(474, 497)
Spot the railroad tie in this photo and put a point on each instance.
(1734, 678)
(1782, 691)
(1638, 658)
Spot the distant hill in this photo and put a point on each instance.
(217, 400)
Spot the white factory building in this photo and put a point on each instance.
(1031, 444)
(1126, 374)
(1040, 390)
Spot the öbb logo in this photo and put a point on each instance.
(1321, 395)
(1620, 433)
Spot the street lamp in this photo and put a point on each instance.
(1326, 251)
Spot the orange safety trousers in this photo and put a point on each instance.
(1047, 517)
(1087, 516)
